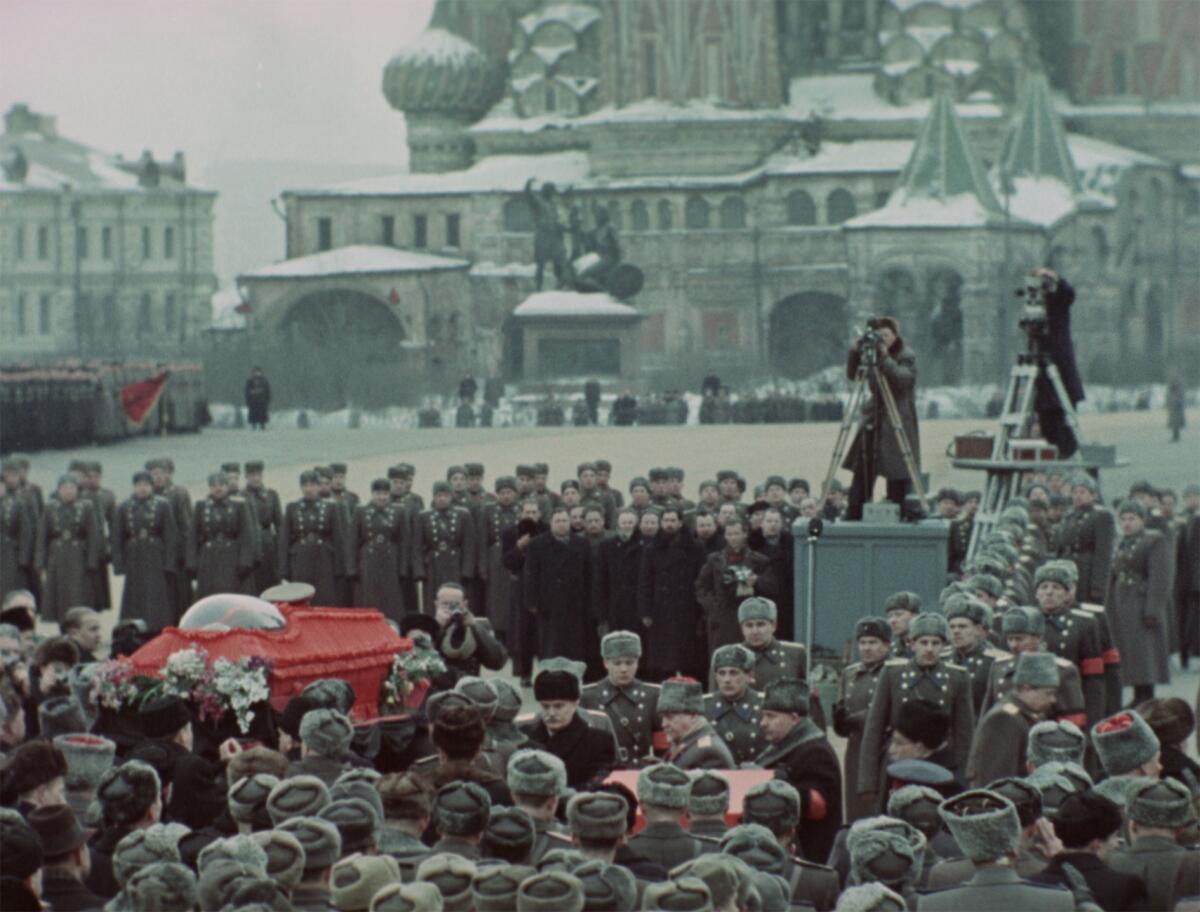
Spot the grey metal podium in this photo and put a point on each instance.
(858, 565)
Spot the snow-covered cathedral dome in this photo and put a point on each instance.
(442, 73)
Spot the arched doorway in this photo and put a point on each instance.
(340, 344)
(807, 333)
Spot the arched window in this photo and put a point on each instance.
(696, 212)
(733, 213)
(801, 210)
(666, 215)
(639, 216)
(839, 206)
(517, 217)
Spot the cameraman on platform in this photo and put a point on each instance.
(1050, 334)
(875, 450)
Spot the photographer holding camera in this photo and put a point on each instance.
(467, 643)
(875, 450)
(1047, 323)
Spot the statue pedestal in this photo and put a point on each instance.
(559, 334)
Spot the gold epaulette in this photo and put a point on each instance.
(1079, 612)
(896, 662)
(1011, 708)
(1063, 663)
(1091, 607)
(997, 654)
(956, 667)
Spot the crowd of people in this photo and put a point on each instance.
(992, 755)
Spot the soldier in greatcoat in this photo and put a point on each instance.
(1071, 634)
(221, 541)
(268, 510)
(603, 473)
(443, 544)
(900, 609)
(925, 677)
(734, 709)
(666, 600)
(773, 658)
(17, 532)
(162, 471)
(1085, 536)
(558, 590)
(970, 622)
(1137, 603)
(380, 533)
(694, 743)
(144, 550)
(1159, 812)
(105, 502)
(1023, 628)
(998, 747)
(631, 704)
(591, 492)
(401, 478)
(313, 541)
(856, 687)
(67, 550)
(495, 517)
(233, 472)
(522, 626)
(727, 578)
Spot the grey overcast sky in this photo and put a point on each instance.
(219, 79)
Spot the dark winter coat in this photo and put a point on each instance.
(1086, 536)
(522, 626)
(586, 752)
(443, 548)
(68, 550)
(558, 592)
(618, 569)
(220, 547)
(899, 368)
(268, 510)
(1112, 890)
(805, 760)
(781, 560)
(493, 521)
(258, 400)
(719, 599)
(313, 547)
(144, 547)
(381, 541)
(667, 600)
(1060, 347)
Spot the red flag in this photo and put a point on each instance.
(139, 399)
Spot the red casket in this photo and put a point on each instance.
(354, 644)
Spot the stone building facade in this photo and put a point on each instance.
(754, 158)
(99, 256)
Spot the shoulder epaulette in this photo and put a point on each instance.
(1063, 663)
(897, 661)
(997, 654)
(1079, 612)
(956, 667)
(1092, 607)
(554, 834)
(711, 840)
(652, 687)
(854, 666)
(946, 651)
(1011, 708)
(525, 717)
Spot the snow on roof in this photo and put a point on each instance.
(437, 45)
(1044, 201)
(494, 174)
(964, 210)
(573, 304)
(488, 269)
(56, 163)
(925, 35)
(355, 259)
(575, 15)
(225, 315)
(852, 96)
(1101, 164)
(865, 155)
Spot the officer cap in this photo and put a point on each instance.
(524, 470)
(757, 608)
(381, 484)
(308, 477)
(873, 627)
(461, 808)
(902, 601)
(441, 487)
(985, 582)
(664, 785)
(709, 795)
(681, 695)
(453, 470)
(537, 773)
(297, 796)
(568, 484)
(550, 891)
(253, 465)
(1052, 740)
(734, 655)
(799, 483)
(621, 644)
(927, 623)
(1164, 803)
(231, 468)
(1124, 742)
(474, 469)
(687, 894)
(964, 606)
(984, 824)
(1023, 619)
(1053, 572)
(639, 482)
(951, 494)
(320, 839)
(1025, 796)
(775, 804)
(597, 815)
(505, 482)
(1036, 669)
